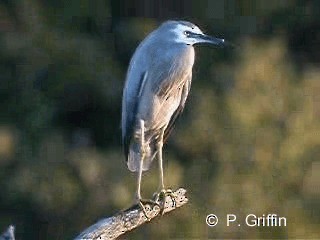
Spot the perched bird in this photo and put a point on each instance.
(156, 88)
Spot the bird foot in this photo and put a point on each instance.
(142, 202)
(161, 197)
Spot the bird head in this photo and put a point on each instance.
(190, 34)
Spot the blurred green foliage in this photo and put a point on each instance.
(248, 142)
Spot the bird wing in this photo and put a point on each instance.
(179, 110)
(141, 70)
(130, 106)
(161, 74)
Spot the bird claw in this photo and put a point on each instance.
(161, 197)
(142, 202)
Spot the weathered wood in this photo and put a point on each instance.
(125, 221)
(8, 234)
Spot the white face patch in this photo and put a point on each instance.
(181, 36)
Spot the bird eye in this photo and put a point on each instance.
(187, 33)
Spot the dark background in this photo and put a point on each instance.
(248, 141)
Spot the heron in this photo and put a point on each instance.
(157, 85)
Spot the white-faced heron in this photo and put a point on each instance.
(156, 88)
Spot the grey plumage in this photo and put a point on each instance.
(157, 86)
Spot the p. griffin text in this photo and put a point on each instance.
(266, 220)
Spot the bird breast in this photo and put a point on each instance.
(156, 107)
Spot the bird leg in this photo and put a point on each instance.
(160, 144)
(138, 198)
(162, 193)
(142, 154)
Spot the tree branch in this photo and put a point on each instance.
(125, 221)
(8, 234)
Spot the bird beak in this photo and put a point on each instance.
(212, 40)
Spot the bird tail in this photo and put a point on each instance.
(134, 158)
